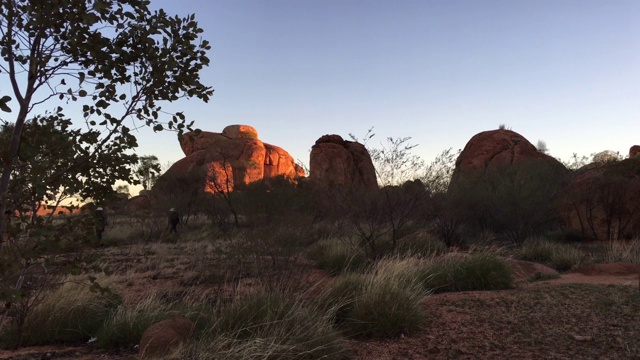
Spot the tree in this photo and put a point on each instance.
(123, 189)
(147, 170)
(437, 175)
(49, 148)
(117, 59)
(542, 147)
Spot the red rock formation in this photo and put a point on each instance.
(230, 160)
(335, 161)
(603, 202)
(492, 150)
(634, 151)
(160, 338)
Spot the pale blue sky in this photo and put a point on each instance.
(566, 72)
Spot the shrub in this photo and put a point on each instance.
(72, 313)
(479, 271)
(267, 326)
(562, 257)
(384, 304)
(421, 245)
(339, 297)
(336, 257)
(620, 251)
(125, 325)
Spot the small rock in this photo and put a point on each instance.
(582, 338)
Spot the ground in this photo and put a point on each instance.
(586, 314)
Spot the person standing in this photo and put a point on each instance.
(174, 220)
(100, 222)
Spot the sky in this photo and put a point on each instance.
(564, 72)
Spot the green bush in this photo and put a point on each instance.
(340, 296)
(479, 271)
(125, 325)
(562, 257)
(335, 257)
(72, 313)
(421, 245)
(386, 309)
(268, 326)
(384, 304)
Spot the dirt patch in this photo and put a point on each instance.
(558, 321)
(523, 270)
(617, 269)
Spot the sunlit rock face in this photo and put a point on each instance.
(227, 161)
(335, 161)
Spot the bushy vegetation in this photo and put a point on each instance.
(72, 313)
(385, 303)
(461, 272)
(267, 326)
(619, 251)
(125, 325)
(562, 257)
(337, 256)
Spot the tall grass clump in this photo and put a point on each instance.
(562, 257)
(421, 245)
(267, 326)
(71, 313)
(478, 271)
(336, 257)
(619, 251)
(383, 304)
(125, 325)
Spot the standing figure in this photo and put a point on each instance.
(100, 222)
(174, 220)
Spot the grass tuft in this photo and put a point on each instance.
(72, 313)
(386, 303)
(336, 257)
(562, 257)
(478, 271)
(267, 326)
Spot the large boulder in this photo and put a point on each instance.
(222, 162)
(603, 202)
(160, 338)
(502, 183)
(494, 151)
(634, 151)
(335, 161)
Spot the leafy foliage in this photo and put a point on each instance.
(147, 170)
(118, 61)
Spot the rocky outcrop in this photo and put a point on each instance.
(138, 204)
(503, 183)
(493, 151)
(160, 338)
(222, 162)
(603, 202)
(335, 161)
(634, 151)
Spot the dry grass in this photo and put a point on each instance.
(620, 251)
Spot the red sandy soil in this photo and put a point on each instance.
(551, 319)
